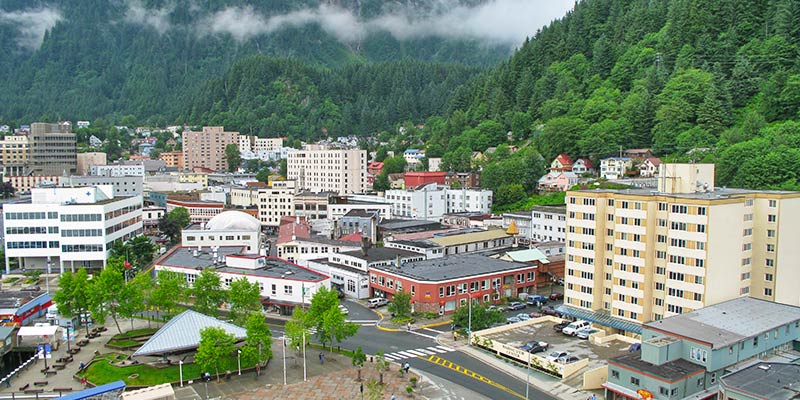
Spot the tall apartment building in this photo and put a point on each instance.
(207, 148)
(318, 169)
(14, 154)
(74, 226)
(275, 202)
(52, 150)
(635, 256)
(172, 159)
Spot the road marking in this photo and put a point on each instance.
(407, 354)
(446, 348)
(427, 352)
(422, 334)
(450, 365)
(437, 349)
(391, 357)
(359, 321)
(432, 330)
(417, 353)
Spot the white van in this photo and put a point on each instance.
(377, 302)
(573, 328)
(52, 312)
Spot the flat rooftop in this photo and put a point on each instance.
(422, 244)
(380, 254)
(452, 267)
(183, 257)
(730, 322)
(553, 208)
(10, 301)
(671, 371)
(409, 225)
(774, 381)
(717, 193)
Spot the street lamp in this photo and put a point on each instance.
(469, 322)
(283, 339)
(47, 278)
(180, 370)
(239, 360)
(528, 377)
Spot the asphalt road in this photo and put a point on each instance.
(431, 358)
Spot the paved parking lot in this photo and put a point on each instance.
(597, 354)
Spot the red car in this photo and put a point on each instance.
(547, 310)
(557, 296)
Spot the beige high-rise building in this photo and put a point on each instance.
(88, 160)
(15, 150)
(275, 202)
(53, 149)
(319, 169)
(172, 159)
(207, 147)
(634, 256)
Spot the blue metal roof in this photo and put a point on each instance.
(96, 391)
(600, 318)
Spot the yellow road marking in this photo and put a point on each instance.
(472, 374)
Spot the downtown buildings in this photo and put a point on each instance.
(635, 255)
(206, 148)
(320, 169)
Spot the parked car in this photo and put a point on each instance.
(556, 296)
(495, 308)
(573, 328)
(585, 333)
(513, 320)
(514, 306)
(535, 314)
(377, 302)
(523, 317)
(536, 300)
(344, 309)
(567, 359)
(560, 282)
(560, 327)
(535, 346)
(549, 310)
(554, 356)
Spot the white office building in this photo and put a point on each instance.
(228, 228)
(319, 169)
(549, 223)
(118, 170)
(73, 227)
(123, 185)
(276, 202)
(430, 202)
(469, 200)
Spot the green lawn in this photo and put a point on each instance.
(123, 342)
(102, 372)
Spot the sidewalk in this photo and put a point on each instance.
(543, 382)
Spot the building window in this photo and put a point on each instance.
(615, 374)
(767, 292)
(772, 218)
(287, 290)
(634, 381)
(768, 277)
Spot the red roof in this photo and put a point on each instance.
(375, 165)
(255, 184)
(586, 163)
(292, 229)
(564, 159)
(654, 160)
(353, 237)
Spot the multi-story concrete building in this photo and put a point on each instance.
(684, 356)
(207, 147)
(319, 169)
(549, 223)
(431, 201)
(472, 242)
(228, 228)
(469, 200)
(152, 215)
(53, 149)
(200, 212)
(123, 185)
(276, 202)
(311, 205)
(246, 196)
(87, 160)
(15, 149)
(339, 206)
(74, 226)
(24, 183)
(635, 256)
(172, 159)
(118, 170)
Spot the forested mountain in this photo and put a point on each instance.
(696, 80)
(67, 59)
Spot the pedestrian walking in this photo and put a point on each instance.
(406, 367)
(408, 326)
(321, 358)
(393, 396)
(455, 335)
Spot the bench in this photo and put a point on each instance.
(62, 389)
(48, 373)
(59, 366)
(33, 391)
(44, 370)
(74, 350)
(24, 387)
(40, 383)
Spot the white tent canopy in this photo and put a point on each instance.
(48, 330)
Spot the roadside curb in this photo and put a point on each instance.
(378, 324)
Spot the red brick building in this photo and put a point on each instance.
(414, 179)
(443, 284)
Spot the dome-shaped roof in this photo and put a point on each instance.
(233, 220)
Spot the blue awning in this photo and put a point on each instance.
(96, 391)
(600, 318)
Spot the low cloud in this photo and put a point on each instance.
(31, 25)
(501, 22)
(157, 18)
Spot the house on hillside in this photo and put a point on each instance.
(649, 167)
(582, 166)
(563, 162)
(557, 181)
(375, 168)
(637, 154)
(613, 168)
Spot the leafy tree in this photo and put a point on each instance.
(482, 318)
(297, 329)
(208, 293)
(180, 215)
(394, 165)
(215, 345)
(283, 168)
(74, 294)
(381, 182)
(381, 365)
(244, 298)
(131, 299)
(509, 193)
(258, 347)
(324, 315)
(107, 288)
(233, 157)
(7, 190)
(380, 154)
(359, 358)
(173, 222)
(169, 290)
(400, 306)
(263, 175)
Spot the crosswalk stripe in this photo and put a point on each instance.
(445, 348)
(390, 357)
(438, 350)
(416, 353)
(427, 352)
(407, 354)
(422, 334)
